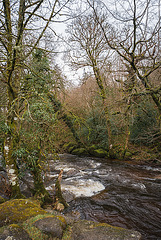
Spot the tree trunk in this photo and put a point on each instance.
(10, 143)
(66, 118)
(39, 190)
(106, 111)
(13, 82)
(59, 199)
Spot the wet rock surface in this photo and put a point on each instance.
(83, 230)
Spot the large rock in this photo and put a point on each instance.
(18, 210)
(83, 230)
(52, 226)
(101, 153)
(14, 232)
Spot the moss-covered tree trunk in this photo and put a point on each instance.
(105, 107)
(66, 117)
(127, 135)
(59, 199)
(39, 190)
(12, 120)
(12, 136)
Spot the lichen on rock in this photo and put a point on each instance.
(83, 230)
(18, 210)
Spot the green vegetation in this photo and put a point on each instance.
(114, 112)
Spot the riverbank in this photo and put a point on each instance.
(136, 155)
(24, 219)
(116, 191)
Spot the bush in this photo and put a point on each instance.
(144, 124)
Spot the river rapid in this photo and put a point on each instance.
(113, 192)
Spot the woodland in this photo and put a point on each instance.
(114, 109)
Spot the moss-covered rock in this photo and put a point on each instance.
(46, 226)
(128, 155)
(51, 226)
(83, 230)
(80, 152)
(2, 200)
(18, 210)
(15, 232)
(101, 153)
(92, 148)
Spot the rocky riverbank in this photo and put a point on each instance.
(24, 219)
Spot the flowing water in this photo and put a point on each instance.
(114, 192)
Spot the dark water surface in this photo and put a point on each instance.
(114, 192)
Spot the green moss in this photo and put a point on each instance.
(71, 149)
(93, 230)
(68, 146)
(58, 195)
(62, 219)
(34, 232)
(15, 226)
(2, 200)
(18, 210)
(100, 153)
(67, 234)
(80, 151)
(92, 148)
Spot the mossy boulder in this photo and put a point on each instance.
(45, 227)
(97, 152)
(2, 200)
(128, 155)
(83, 230)
(18, 210)
(101, 153)
(15, 232)
(80, 152)
(92, 148)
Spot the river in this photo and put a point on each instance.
(113, 192)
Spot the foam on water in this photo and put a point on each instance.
(64, 167)
(84, 187)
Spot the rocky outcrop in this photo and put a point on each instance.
(25, 219)
(83, 230)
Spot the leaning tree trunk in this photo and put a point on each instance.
(68, 120)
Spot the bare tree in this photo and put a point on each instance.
(134, 33)
(89, 50)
